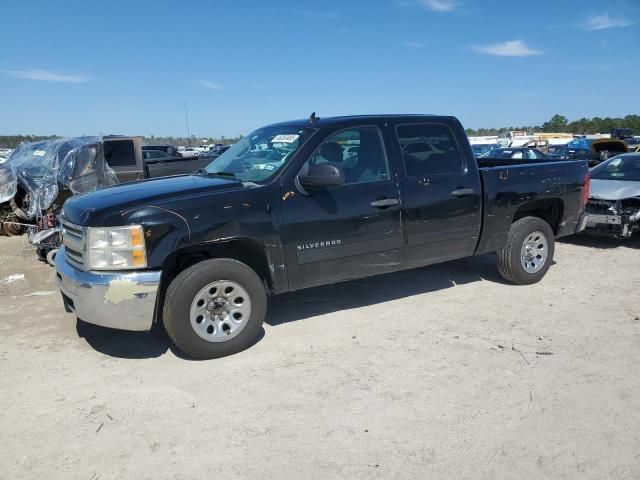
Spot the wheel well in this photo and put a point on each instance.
(244, 250)
(548, 209)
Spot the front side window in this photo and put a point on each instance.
(360, 153)
(261, 154)
(429, 149)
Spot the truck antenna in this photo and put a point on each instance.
(313, 118)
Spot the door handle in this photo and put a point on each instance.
(463, 192)
(385, 202)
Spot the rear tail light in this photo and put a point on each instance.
(585, 189)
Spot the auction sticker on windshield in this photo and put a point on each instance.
(285, 138)
(39, 153)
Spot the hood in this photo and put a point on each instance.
(613, 189)
(81, 208)
(608, 144)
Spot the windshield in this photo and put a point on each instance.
(580, 143)
(622, 167)
(479, 149)
(261, 154)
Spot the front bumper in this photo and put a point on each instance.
(598, 219)
(615, 225)
(122, 300)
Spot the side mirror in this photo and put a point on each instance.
(322, 175)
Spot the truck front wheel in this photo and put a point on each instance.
(528, 252)
(214, 308)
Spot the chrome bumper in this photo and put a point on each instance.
(582, 223)
(596, 219)
(123, 300)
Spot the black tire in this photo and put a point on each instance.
(187, 284)
(41, 253)
(509, 256)
(51, 257)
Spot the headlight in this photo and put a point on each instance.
(116, 248)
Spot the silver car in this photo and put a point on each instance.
(614, 198)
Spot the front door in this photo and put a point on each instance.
(348, 231)
(441, 193)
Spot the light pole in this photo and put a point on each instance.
(186, 117)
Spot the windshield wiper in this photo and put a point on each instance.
(223, 174)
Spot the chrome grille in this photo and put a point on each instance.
(73, 238)
(75, 256)
(604, 207)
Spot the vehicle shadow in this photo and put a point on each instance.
(599, 240)
(133, 345)
(124, 344)
(293, 306)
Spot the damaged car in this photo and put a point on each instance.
(614, 198)
(39, 176)
(593, 151)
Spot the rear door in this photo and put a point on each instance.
(349, 231)
(441, 192)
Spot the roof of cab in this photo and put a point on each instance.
(348, 120)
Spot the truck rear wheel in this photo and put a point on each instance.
(528, 252)
(214, 308)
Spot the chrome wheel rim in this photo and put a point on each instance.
(535, 251)
(220, 311)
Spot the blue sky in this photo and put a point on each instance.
(90, 67)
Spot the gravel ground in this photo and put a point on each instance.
(441, 372)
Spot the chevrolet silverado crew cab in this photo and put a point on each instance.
(305, 203)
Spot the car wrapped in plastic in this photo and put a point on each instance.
(39, 172)
(39, 176)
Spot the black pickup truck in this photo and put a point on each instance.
(299, 204)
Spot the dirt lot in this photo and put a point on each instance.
(442, 372)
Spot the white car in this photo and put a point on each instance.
(189, 152)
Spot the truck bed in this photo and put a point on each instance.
(166, 167)
(549, 185)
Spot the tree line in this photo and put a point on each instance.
(557, 123)
(560, 124)
(12, 141)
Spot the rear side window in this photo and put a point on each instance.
(429, 149)
(120, 153)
